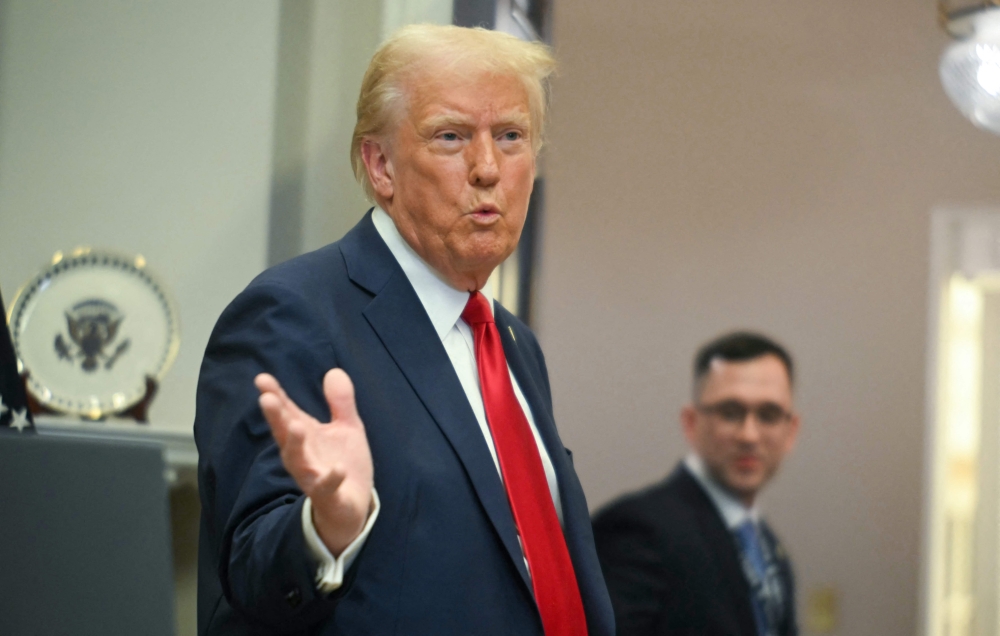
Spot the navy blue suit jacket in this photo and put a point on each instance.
(443, 556)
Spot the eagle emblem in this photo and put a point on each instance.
(93, 326)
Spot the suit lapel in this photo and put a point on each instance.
(576, 516)
(722, 545)
(785, 577)
(526, 380)
(401, 323)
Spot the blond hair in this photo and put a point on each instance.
(382, 100)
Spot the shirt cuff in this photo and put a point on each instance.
(330, 573)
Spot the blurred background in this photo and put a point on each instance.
(764, 164)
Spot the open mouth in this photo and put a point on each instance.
(486, 214)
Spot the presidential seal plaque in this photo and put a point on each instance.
(94, 333)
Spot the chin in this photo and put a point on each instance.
(744, 486)
(485, 257)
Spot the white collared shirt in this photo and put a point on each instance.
(444, 305)
(732, 510)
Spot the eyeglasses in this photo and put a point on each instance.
(735, 412)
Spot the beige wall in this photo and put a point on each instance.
(765, 164)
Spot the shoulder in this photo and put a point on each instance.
(285, 307)
(339, 275)
(305, 279)
(648, 504)
(670, 511)
(651, 536)
(302, 274)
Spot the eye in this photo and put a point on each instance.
(448, 136)
(512, 135)
(771, 414)
(731, 412)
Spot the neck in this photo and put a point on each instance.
(461, 278)
(746, 500)
(722, 494)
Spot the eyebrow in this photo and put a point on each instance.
(513, 118)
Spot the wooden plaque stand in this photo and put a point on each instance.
(138, 412)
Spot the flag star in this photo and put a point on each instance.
(20, 421)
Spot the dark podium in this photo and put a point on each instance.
(85, 546)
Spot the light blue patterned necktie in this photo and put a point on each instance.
(755, 567)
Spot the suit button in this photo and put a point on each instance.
(293, 597)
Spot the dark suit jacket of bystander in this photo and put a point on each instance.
(673, 567)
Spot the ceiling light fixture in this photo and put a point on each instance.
(970, 66)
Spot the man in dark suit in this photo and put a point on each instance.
(691, 556)
(400, 471)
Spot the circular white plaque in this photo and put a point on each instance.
(90, 328)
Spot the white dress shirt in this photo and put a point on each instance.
(444, 305)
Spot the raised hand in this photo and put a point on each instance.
(331, 463)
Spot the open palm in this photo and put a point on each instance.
(330, 462)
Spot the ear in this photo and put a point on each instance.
(379, 166)
(689, 424)
(793, 432)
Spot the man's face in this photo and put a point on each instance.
(458, 172)
(742, 424)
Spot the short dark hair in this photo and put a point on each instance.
(738, 346)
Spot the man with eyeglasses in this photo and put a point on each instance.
(692, 555)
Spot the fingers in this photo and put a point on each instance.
(274, 413)
(279, 410)
(331, 464)
(339, 391)
(266, 383)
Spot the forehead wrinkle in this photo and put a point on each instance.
(448, 118)
(419, 81)
(420, 84)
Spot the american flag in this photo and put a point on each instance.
(14, 413)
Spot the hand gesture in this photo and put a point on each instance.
(331, 463)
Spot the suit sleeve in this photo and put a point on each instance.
(252, 506)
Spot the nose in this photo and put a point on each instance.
(749, 430)
(484, 169)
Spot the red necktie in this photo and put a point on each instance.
(556, 591)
